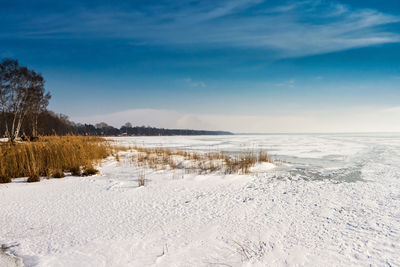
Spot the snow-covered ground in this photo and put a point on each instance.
(335, 201)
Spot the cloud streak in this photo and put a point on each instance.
(195, 84)
(291, 29)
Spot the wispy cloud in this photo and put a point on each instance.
(290, 29)
(288, 84)
(286, 7)
(192, 83)
(150, 117)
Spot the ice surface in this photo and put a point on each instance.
(335, 201)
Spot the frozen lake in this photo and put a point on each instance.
(334, 201)
(339, 157)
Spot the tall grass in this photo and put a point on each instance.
(51, 156)
(162, 158)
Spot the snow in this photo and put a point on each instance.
(334, 201)
(9, 260)
(262, 167)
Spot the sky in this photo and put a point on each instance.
(259, 66)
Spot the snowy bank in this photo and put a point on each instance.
(335, 202)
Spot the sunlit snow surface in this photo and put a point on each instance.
(334, 201)
(310, 157)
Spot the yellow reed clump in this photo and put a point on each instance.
(51, 156)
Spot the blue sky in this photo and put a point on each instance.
(244, 66)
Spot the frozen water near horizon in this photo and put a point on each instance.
(334, 202)
(338, 157)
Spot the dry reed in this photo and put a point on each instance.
(89, 170)
(161, 158)
(141, 179)
(51, 156)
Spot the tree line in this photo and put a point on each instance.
(50, 123)
(24, 113)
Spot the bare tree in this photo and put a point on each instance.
(101, 125)
(127, 126)
(22, 92)
(7, 80)
(38, 102)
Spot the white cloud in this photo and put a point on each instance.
(392, 110)
(356, 119)
(138, 117)
(192, 121)
(193, 83)
(288, 84)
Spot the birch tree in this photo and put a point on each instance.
(22, 92)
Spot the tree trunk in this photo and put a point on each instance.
(19, 124)
(35, 126)
(12, 132)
